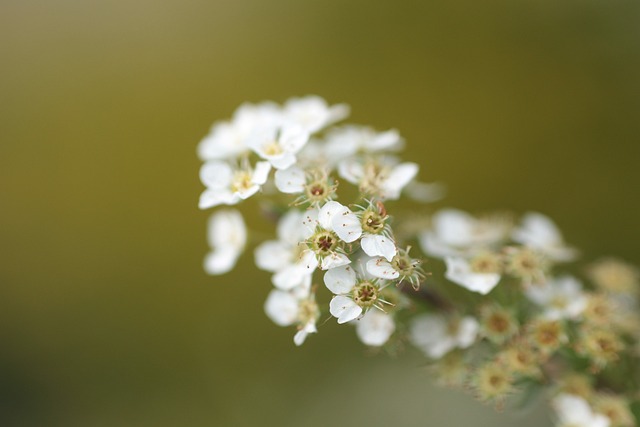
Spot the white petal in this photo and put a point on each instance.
(273, 255)
(381, 268)
(226, 230)
(301, 335)
(291, 228)
(328, 211)
(346, 225)
(281, 307)
(432, 245)
(399, 177)
(290, 277)
(245, 193)
(292, 139)
(340, 280)
(308, 260)
(334, 260)
(209, 199)
(220, 261)
(344, 309)
(351, 170)
(428, 332)
(467, 332)
(261, 173)
(291, 180)
(310, 222)
(454, 227)
(459, 271)
(379, 245)
(375, 328)
(385, 141)
(283, 161)
(216, 174)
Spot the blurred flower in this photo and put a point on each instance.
(456, 233)
(540, 233)
(227, 238)
(375, 328)
(436, 336)
(380, 177)
(574, 411)
(227, 185)
(459, 271)
(312, 113)
(279, 145)
(288, 308)
(561, 298)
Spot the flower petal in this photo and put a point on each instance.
(281, 307)
(459, 271)
(345, 309)
(261, 173)
(340, 280)
(375, 328)
(273, 255)
(291, 180)
(346, 225)
(379, 245)
(381, 268)
(334, 260)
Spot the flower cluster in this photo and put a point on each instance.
(511, 311)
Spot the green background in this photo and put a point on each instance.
(106, 318)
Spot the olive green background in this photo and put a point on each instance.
(106, 318)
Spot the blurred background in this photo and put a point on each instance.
(106, 317)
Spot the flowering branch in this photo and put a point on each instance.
(504, 318)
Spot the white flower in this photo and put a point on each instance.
(293, 266)
(279, 145)
(286, 309)
(329, 226)
(382, 177)
(402, 267)
(456, 233)
(459, 271)
(315, 187)
(228, 140)
(574, 411)
(562, 298)
(377, 237)
(312, 113)
(228, 186)
(540, 233)
(352, 296)
(375, 328)
(227, 237)
(435, 336)
(346, 141)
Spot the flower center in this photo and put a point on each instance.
(273, 149)
(365, 294)
(403, 265)
(372, 222)
(241, 182)
(324, 242)
(317, 191)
